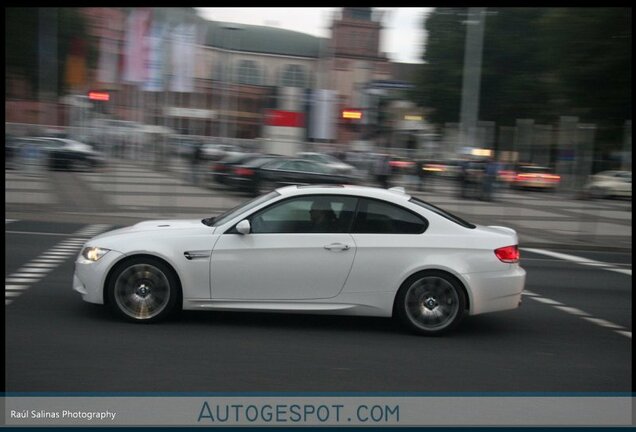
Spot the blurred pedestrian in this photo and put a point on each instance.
(195, 161)
(462, 179)
(489, 179)
(383, 170)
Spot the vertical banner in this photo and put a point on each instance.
(108, 59)
(76, 64)
(155, 61)
(136, 49)
(183, 58)
(323, 114)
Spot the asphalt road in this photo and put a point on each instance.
(571, 334)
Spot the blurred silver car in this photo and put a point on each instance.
(608, 184)
(334, 164)
(215, 152)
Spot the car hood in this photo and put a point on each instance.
(156, 225)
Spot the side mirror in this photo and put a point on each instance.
(243, 227)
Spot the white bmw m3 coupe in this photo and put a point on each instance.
(311, 249)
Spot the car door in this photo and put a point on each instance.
(285, 257)
(389, 240)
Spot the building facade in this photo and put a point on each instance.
(242, 76)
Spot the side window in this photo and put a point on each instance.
(307, 214)
(316, 167)
(377, 217)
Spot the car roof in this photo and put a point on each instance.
(393, 194)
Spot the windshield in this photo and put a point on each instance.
(243, 207)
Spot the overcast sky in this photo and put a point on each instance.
(402, 38)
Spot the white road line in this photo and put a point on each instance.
(603, 323)
(547, 301)
(47, 260)
(579, 260)
(34, 264)
(6, 221)
(573, 311)
(15, 287)
(38, 233)
(584, 315)
(21, 280)
(34, 270)
(12, 294)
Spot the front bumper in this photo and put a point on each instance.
(89, 277)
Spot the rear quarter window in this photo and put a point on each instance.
(380, 217)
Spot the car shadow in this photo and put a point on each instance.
(275, 320)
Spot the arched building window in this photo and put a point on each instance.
(293, 76)
(249, 73)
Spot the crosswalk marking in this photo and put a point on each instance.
(31, 272)
(15, 287)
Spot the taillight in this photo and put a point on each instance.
(508, 254)
(243, 171)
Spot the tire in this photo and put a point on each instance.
(81, 166)
(143, 289)
(598, 192)
(431, 303)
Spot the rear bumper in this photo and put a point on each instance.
(496, 291)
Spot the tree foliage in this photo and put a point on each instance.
(22, 41)
(538, 63)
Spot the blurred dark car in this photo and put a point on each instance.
(10, 151)
(288, 171)
(401, 165)
(220, 170)
(246, 176)
(61, 153)
(535, 177)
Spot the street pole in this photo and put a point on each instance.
(227, 70)
(47, 57)
(472, 75)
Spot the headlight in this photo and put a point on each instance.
(94, 253)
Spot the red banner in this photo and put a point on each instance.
(284, 118)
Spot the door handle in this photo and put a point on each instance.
(337, 246)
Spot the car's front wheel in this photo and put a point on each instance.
(143, 289)
(431, 303)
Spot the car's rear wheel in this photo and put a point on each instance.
(143, 289)
(431, 303)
